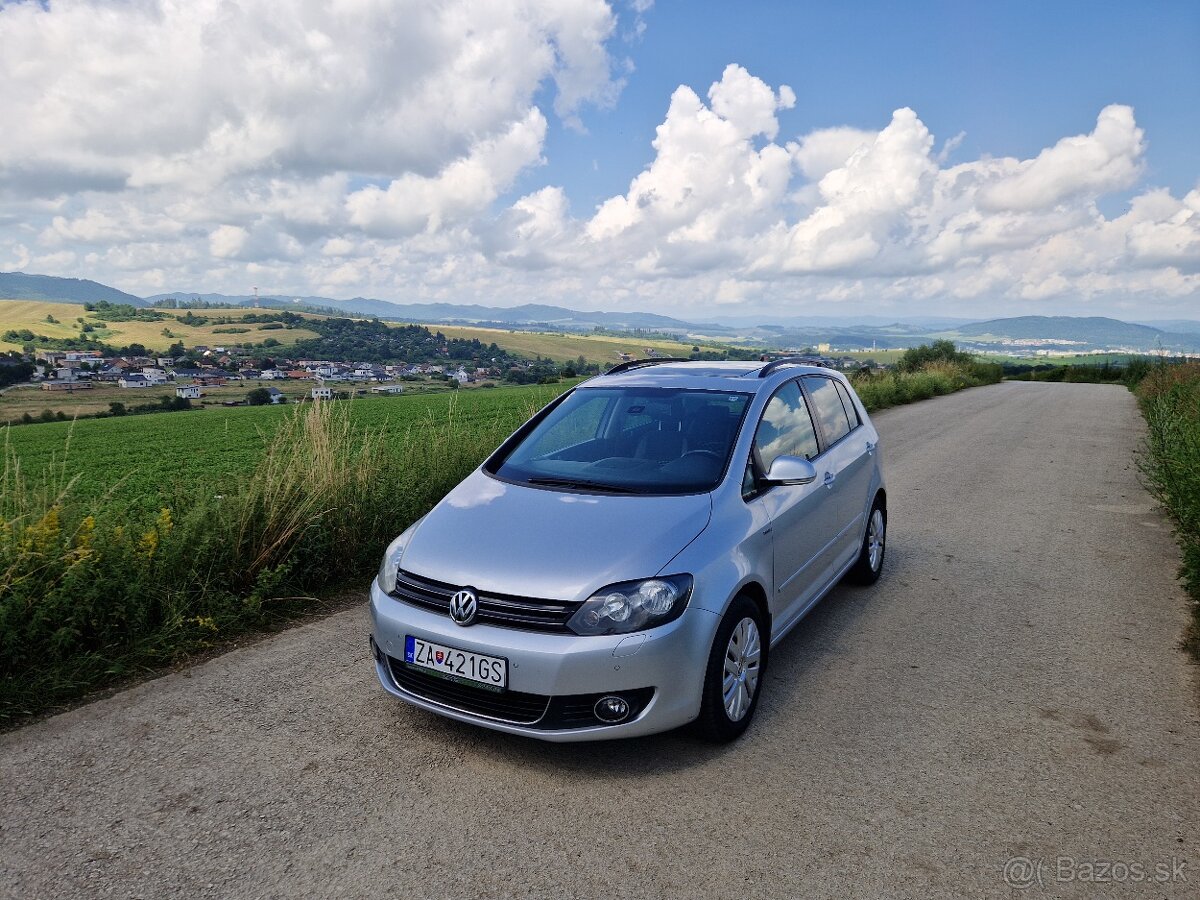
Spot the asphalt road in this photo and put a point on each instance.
(1012, 688)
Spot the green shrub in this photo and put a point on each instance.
(879, 390)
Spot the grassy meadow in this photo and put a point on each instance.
(562, 347)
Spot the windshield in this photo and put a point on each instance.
(636, 440)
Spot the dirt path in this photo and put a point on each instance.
(1012, 688)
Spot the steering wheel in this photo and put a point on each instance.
(712, 453)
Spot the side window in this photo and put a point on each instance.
(848, 403)
(828, 407)
(786, 428)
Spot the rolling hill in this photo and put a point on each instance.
(50, 289)
(846, 333)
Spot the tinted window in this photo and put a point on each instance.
(828, 407)
(851, 409)
(786, 428)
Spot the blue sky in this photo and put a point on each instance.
(1014, 76)
(693, 159)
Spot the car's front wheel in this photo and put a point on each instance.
(733, 677)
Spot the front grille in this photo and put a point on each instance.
(526, 613)
(516, 708)
(506, 706)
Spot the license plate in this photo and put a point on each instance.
(489, 672)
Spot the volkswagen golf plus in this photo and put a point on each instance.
(624, 562)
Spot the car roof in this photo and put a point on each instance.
(741, 376)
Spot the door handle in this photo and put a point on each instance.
(830, 478)
(870, 446)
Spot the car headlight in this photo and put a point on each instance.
(391, 559)
(633, 605)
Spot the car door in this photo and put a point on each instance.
(846, 457)
(804, 517)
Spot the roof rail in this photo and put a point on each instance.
(639, 363)
(787, 361)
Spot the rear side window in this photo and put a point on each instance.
(848, 402)
(827, 404)
(786, 428)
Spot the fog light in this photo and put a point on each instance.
(611, 710)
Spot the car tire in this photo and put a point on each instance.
(869, 565)
(733, 678)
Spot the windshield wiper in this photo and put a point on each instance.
(548, 481)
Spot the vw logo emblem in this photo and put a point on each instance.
(463, 606)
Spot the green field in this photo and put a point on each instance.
(562, 347)
(146, 460)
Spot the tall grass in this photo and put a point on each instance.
(879, 390)
(91, 590)
(1170, 400)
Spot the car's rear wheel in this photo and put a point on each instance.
(734, 675)
(869, 565)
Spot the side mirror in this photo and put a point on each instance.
(791, 470)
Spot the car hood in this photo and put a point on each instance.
(529, 542)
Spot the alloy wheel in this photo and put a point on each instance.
(875, 537)
(743, 656)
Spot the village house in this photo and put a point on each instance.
(78, 356)
(276, 395)
(388, 389)
(135, 380)
(68, 386)
(323, 392)
(188, 391)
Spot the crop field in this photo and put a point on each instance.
(147, 460)
(598, 348)
(32, 314)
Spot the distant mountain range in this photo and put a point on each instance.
(848, 332)
(1092, 330)
(450, 313)
(48, 288)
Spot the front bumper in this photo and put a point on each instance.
(671, 659)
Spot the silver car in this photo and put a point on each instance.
(624, 562)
